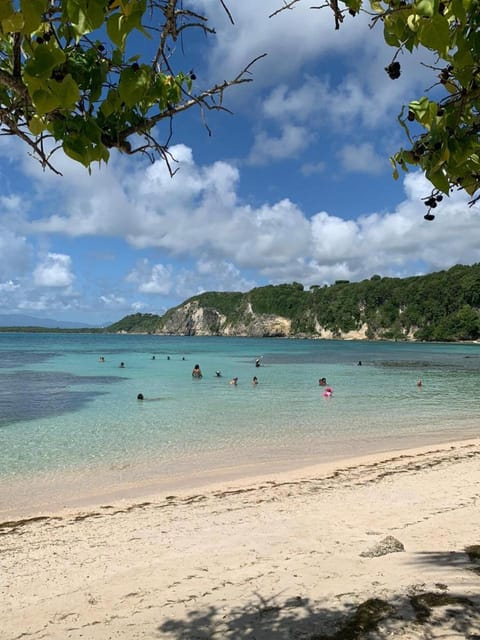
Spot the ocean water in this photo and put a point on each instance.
(61, 409)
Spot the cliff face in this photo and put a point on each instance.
(443, 306)
(191, 319)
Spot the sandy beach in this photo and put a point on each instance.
(386, 546)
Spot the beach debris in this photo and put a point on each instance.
(423, 604)
(384, 547)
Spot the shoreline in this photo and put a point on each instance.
(285, 555)
(140, 479)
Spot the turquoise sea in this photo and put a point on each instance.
(61, 409)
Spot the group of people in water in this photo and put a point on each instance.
(197, 373)
(328, 392)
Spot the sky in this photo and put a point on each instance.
(294, 185)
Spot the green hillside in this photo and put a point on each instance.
(442, 306)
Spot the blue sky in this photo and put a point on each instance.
(295, 186)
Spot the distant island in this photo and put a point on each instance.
(9, 321)
(441, 306)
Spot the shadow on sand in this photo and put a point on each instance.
(419, 614)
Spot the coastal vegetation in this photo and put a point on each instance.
(88, 76)
(441, 306)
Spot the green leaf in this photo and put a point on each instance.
(74, 147)
(45, 101)
(117, 57)
(45, 58)
(66, 91)
(425, 8)
(435, 34)
(33, 11)
(376, 6)
(389, 37)
(413, 22)
(36, 125)
(117, 30)
(134, 84)
(439, 180)
(111, 103)
(13, 23)
(85, 15)
(6, 9)
(458, 8)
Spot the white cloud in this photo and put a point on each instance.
(156, 279)
(112, 301)
(206, 275)
(9, 286)
(15, 252)
(290, 142)
(362, 158)
(312, 168)
(290, 39)
(198, 215)
(54, 271)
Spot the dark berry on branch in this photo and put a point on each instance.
(439, 198)
(429, 217)
(411, 116)
(135, 66)
(39, 40)
(352, 12)
(393, 70)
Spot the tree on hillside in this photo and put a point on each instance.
(442, 128)
(73, 75)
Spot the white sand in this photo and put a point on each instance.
(271, 558)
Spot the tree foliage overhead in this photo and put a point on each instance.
(442, 127)
(91, 75)
(70, 77)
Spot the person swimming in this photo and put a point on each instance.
(322, 382)
(218, 374)
(197, 372)
(328, 392)
(140, 396)
(234, 381)
(254, 380)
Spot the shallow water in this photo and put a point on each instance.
(62, 409)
